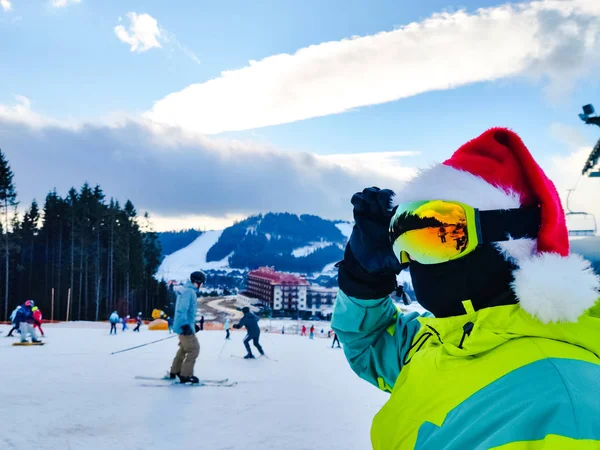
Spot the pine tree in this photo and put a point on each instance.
(8, 198)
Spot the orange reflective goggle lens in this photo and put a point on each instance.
(434, 231)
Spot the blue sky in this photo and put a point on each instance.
(74, 67)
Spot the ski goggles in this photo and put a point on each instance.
(439, 231)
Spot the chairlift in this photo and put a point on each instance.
(588, 229)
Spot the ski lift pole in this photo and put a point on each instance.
(144, 345)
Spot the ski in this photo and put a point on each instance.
(260, 357)
(165, 378)
(201, 384)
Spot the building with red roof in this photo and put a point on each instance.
(277, 290)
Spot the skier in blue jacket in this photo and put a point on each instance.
(185, 326)
(114, 320)
(24, 320)
(250, 321)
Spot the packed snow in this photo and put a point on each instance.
(73, 394)
(180, 264)
(308, 249)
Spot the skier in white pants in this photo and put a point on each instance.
(24, 319)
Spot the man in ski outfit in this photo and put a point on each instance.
(508, 358)
(114, 320)
(12, 321)
(24, 320)
(227, 328)
(138, 322)
(250, 321)
(185, 326)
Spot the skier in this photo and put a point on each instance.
(201, 323)
(303, 333)
(170, 324)
(37, 317)
(114, 320)
(185, 317)
(250, 321)
(227, 326)
(12, 321)
(335, 339)
(25, 321)
(508, 355)
(312, 332)
(125, 319)
(138, 321)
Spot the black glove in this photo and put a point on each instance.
(197, 327)
(186, 330)
(236, 326)
(369, 267)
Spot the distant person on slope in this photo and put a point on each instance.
(312, 332)
(227, 327)
(138, 322)
(12, 320)
(185, 326)
(25, 321)
(125, 319)
(336, 339)
(114, 320)
(37, 318)
(250, 321)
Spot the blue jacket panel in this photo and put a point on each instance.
(185, 308)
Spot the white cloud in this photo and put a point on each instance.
(63, 3)
(199, 222)
(181, 178)
(548, 39)
(143, 33)
(6, 5)
(389, 164)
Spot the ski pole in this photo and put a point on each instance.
(222, 348)
(143, 345)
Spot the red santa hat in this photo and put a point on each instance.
(497, 171)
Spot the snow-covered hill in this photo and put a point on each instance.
(182, 263)
(268, 240)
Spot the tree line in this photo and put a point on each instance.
(79, 255)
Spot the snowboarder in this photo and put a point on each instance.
(227, 326)
(514, 324)
(138, 322)
(12, 321)
(250, 321)
(185, 326)
(37, 317)
(114, 320)
(312, 332)
(283, 330)
(125, 319)
(303, 333)
(170, 324)
(201, 323)
(24, 319)
(335, 339)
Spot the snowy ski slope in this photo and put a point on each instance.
(72, 394)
